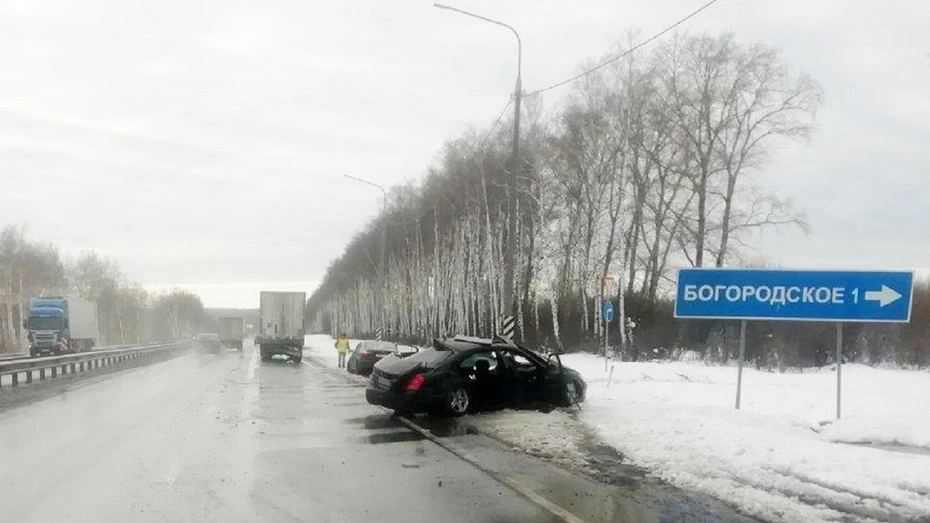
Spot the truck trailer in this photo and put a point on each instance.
(61, 325)
(232, 332)
(282, 325)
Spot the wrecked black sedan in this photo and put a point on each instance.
(459, 375)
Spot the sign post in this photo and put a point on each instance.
(839, 365)
(608, 317)
(742, 358)
(836, 296)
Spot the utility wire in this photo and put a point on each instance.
(487, 135)
(625, 53)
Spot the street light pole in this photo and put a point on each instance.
(515, 164)
(381, 292)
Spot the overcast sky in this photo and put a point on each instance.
(202, 143)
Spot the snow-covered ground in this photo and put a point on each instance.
(321, 348)
(772, 459)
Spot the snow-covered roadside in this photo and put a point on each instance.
(320, 347)
(555, 436)
(677, 420)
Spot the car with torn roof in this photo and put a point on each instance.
(368, 352)
(455, 376)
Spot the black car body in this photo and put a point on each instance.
(459, 375)
(362, 360)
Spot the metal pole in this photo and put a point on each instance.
(510, 255)
(381, 283)
(742, 356)
(606, 342)
(839, 365)
(511, 245)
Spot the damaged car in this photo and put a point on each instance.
(455, 376)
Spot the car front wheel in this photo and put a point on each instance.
(571, 393)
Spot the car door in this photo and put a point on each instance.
(523, 378)
(482, 389)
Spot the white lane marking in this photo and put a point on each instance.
(253, 364)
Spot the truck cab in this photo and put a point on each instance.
(48, 330)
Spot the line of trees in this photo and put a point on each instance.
(126, 312)
(644, 167)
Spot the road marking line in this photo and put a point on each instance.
(253, 365)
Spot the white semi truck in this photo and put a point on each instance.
(282, 325)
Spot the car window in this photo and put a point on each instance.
(429, 358)
(470, 361)
(521, 360)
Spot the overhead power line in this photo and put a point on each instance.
(487, 135)
(627, 52)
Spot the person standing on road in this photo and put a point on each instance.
(342, 347)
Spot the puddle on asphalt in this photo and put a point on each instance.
(401, 434)
(445, 427)
(383, 421)
(393, 437)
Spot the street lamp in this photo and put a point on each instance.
(383, 243)
(509, 254)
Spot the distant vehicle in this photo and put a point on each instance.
(460, 375)
(61, 325)
(209, 341)
(282, 325)
(362, 360)
(232, 332)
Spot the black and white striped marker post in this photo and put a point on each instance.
(507, 326)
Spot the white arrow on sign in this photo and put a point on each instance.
(883, 297)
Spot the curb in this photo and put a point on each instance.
(453, 449)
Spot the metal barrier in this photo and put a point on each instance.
(52, 366)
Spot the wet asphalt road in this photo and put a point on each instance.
(227, 438)
(205, 437)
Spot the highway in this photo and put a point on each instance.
(205, 437)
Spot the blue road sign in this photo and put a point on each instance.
(750, 294)
(608, 311)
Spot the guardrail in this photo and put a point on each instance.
(51, 366)
(22, 355)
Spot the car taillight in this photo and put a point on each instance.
(414, 383)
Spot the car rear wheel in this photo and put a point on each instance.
(457, 402)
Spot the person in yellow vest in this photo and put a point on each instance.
(342, 347)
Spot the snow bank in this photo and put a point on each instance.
(769, 459)
(320, 347)
(555, 436)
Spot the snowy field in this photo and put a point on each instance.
(774, 459)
